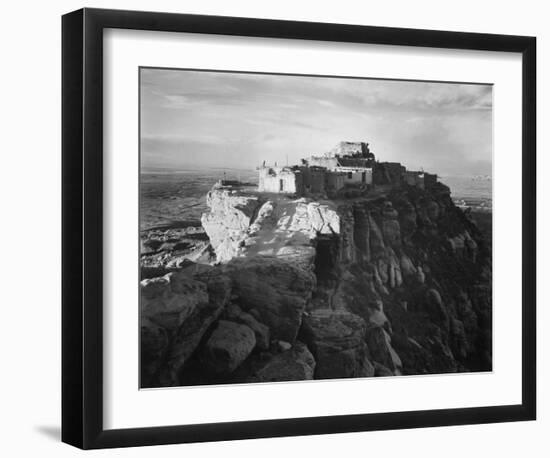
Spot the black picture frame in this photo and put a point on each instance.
(82, 222)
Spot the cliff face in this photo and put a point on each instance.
(414, 265)
(383, 285)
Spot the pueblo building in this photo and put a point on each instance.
(348, 165)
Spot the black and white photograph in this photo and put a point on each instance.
(303, 227)
(275, 229)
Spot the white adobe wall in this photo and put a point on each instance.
(272, 183)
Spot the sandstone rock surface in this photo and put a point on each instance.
(231, 213)
(169, 300)
(228, 347)
(296, 363)
(393, 282)
(381, 350)
(261, 331)
(276, 289)
(337, 342)
(246, 225)
(176, 311)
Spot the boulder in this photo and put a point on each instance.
(169, 300)
(261, 331)
(276, 289)
(228, 346)
(337, 342)
(296, 363)
(187, 336)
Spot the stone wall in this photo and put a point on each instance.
(314, 179)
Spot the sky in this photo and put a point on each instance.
(196, 119)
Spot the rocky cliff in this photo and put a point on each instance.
(379, 285)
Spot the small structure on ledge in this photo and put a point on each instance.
(287, 180)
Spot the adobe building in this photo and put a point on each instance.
(286, 180)
(352, 162)
(349, 164)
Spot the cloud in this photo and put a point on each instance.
(224, 118)
(414, 96)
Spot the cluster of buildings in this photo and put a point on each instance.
(348, 165)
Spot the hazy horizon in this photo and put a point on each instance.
(208, 120)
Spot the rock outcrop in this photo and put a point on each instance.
(337, 341)
(231, 213)
(381, 350)
(166, 249)
(388, 283)
(273, 290)
(248, 224)
(261, 331)
(228, 347)
(296, 363)
(176, 312)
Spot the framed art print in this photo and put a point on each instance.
(280, 228)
